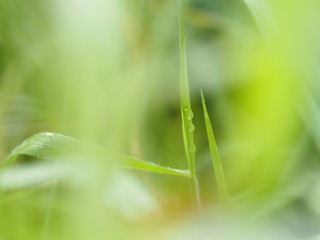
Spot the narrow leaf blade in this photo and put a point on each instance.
(52, 146)
(186, 110)
(216, 161)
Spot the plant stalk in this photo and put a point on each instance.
(186, 111)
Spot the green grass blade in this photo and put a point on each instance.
(52, 146)
(135, 163)
(216, 161)
(21, 193)
(262, 13)
(186, 110)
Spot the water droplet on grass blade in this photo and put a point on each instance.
(190, 114)
(191, 128)
(192, 148)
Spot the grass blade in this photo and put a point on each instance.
(52, 146)
(261, 12)
(186, 110)
(21, 193)
(216, 161)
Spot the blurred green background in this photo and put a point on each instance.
(107, 72)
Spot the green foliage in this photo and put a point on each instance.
(107, 72)
(186, 111)
(52, 146)
(216, 161)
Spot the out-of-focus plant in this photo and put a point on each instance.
(107, 72)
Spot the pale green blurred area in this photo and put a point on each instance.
(107, 72)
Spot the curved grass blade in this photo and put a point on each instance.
(186, 111)
(216, 161)
(52, 146)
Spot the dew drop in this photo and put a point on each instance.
(190, 115)
(192, 148)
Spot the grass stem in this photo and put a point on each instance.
(186, 111)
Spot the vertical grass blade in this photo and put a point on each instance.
(186, 111)
(216, 161)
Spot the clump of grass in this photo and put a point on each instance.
(188, 126)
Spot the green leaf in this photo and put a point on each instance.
(216, 161)
(186, 110)
(52, 146)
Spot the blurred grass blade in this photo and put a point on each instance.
(217, 165)
(10, 196)
(52, 146)
(186, 111)
(262, 14)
